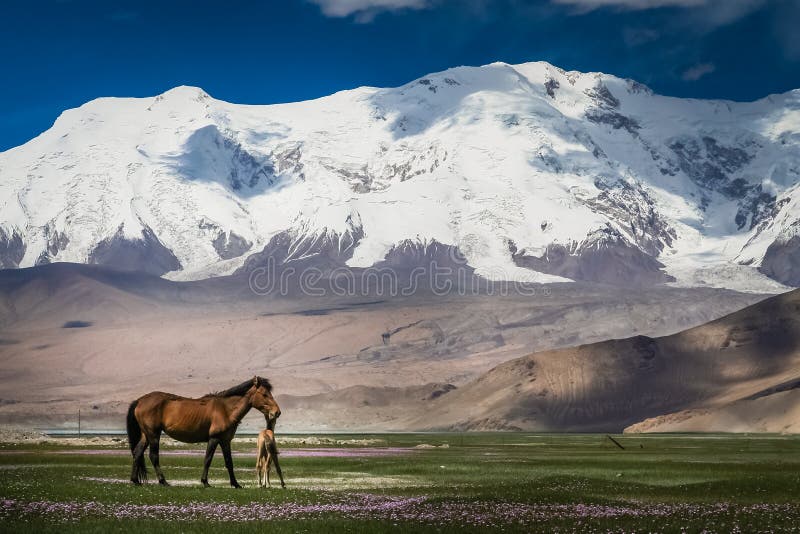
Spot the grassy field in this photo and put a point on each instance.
(512, 482)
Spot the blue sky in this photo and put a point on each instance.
(58, 54)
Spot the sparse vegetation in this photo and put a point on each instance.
(509, 481)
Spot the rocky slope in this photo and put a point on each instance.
(742, 370)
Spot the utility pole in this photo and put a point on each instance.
(615, 442)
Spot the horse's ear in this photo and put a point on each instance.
(255, 381)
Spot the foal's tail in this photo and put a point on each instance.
(134, 436)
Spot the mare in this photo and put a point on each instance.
(212, 418)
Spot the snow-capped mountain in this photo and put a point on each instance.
(529, 171)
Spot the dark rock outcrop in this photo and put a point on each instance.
(12, 249)
(430, 255)
(603, 257)
(709, 164)
(146, 254)
(782, 261)
(614, 119)
(550, 86)
(323, 252)
(632, 205)
(230, 245)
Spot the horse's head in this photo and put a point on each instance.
(262, 399)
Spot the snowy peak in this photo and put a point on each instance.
(528, 171)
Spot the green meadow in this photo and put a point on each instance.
(473, 482)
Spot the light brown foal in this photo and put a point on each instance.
(267, 452)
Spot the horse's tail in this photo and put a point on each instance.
(134, 437)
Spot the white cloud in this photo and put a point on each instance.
(639, 36)
(365, 10)
(695, 72)
(721, 12)
(588, 5)
(725, 5)
(709, 14)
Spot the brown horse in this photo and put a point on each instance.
(212, 418)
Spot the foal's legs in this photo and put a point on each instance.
(212, 446)
(260, 462)
(261, 458)
(226, 453)
(155, 440)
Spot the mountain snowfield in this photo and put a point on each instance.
(531, 172)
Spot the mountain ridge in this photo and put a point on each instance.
(531, 172)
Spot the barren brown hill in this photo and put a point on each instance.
(775, 412)
(75, 336)
(361, 408)
(744, 366)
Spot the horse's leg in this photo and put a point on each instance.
(262, 460)
(268, 468)
(226, 453)
(155, 441)
(264, 456)
(264, 473)
(274, 454)
(260, 464)
(138, 460)
(212, 446)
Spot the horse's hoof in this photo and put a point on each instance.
(236, 485)
(163, 482)
(205, 484)
(136, 482)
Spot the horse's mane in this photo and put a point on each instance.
(241, 389)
